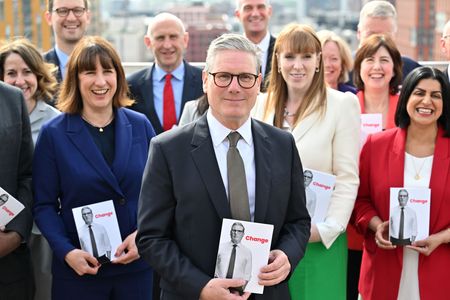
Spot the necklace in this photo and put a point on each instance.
(100, 128)
(417, 176)
(287, 113)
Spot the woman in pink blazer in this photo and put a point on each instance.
(417, 154)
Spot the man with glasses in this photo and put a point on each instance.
(93, 236)
(311, 197)
(403, 221)
(69, 20)
(162, 90)
(224, 165)
(445, 47)
(234, 260)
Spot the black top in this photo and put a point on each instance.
(104, 139)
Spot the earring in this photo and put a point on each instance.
(279, 70)
(317, 70)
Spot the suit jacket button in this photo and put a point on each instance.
(122, 201)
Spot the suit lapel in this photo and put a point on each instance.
(81, 138)
(206, 162)
(439, 173)
(396, 165)
(263, 157)
(189, 85)
(304, 126)
(146, 91)
(123, 143)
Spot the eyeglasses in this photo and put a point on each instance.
(237, 231)
(224, 79)
(65, 11)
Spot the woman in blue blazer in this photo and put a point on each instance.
(95, 151)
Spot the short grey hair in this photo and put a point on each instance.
(232, 41)
(378, 9)
(238, 3)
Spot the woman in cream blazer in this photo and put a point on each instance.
(325, 124)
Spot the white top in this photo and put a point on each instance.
(409, 280)
(331, 145)
(245, 147)
(242, 263)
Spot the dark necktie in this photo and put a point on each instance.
(232, 262)
(237, 182)
(169, 114)
(93, 243)
(402, 224)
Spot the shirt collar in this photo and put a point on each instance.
(178, 73)
(62, 56)
(219, 132)
(264, 44)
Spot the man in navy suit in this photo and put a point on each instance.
(255, 16)
(167, 39)
(69, 20)
(186, 189)
(445, 46)
(16, 154)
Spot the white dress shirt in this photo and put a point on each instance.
(101, 239)
(242, 263)
(245, 146)
(264, 48)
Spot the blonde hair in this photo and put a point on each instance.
(345, 53)
(295, 38)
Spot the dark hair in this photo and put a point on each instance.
(369, 47)
(402, 118)
(50, 5)
(84, 57)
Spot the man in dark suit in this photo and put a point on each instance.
(69, 20)
(255, 16)
(16, 154)
(445, 46)
(167, 39)
(188, 178)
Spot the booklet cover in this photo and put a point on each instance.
(370, 123)
(10, 207)
(318, 189)
(243, 250)
(409, 215)
(98, 229)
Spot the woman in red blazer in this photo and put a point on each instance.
(388, 159)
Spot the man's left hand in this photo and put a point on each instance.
(277, 270)
(131, 255)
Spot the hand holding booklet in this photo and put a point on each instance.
(244, 249)
(10, 207)
(98, 230)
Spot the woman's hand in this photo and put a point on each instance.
(427, 246)
(382, 236)
(129, 247)
(82, 262)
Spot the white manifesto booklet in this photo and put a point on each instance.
(98, 229)
(10, 207)
(243, 250)
(409, 215)
(319, 187)
(370, 123)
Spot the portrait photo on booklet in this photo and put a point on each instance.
(98, 230)
(243, 250)
(409, 216)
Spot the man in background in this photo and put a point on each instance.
(162, 90)
(69, 20)
(445, 47)
(380, 17)
(254, 16)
